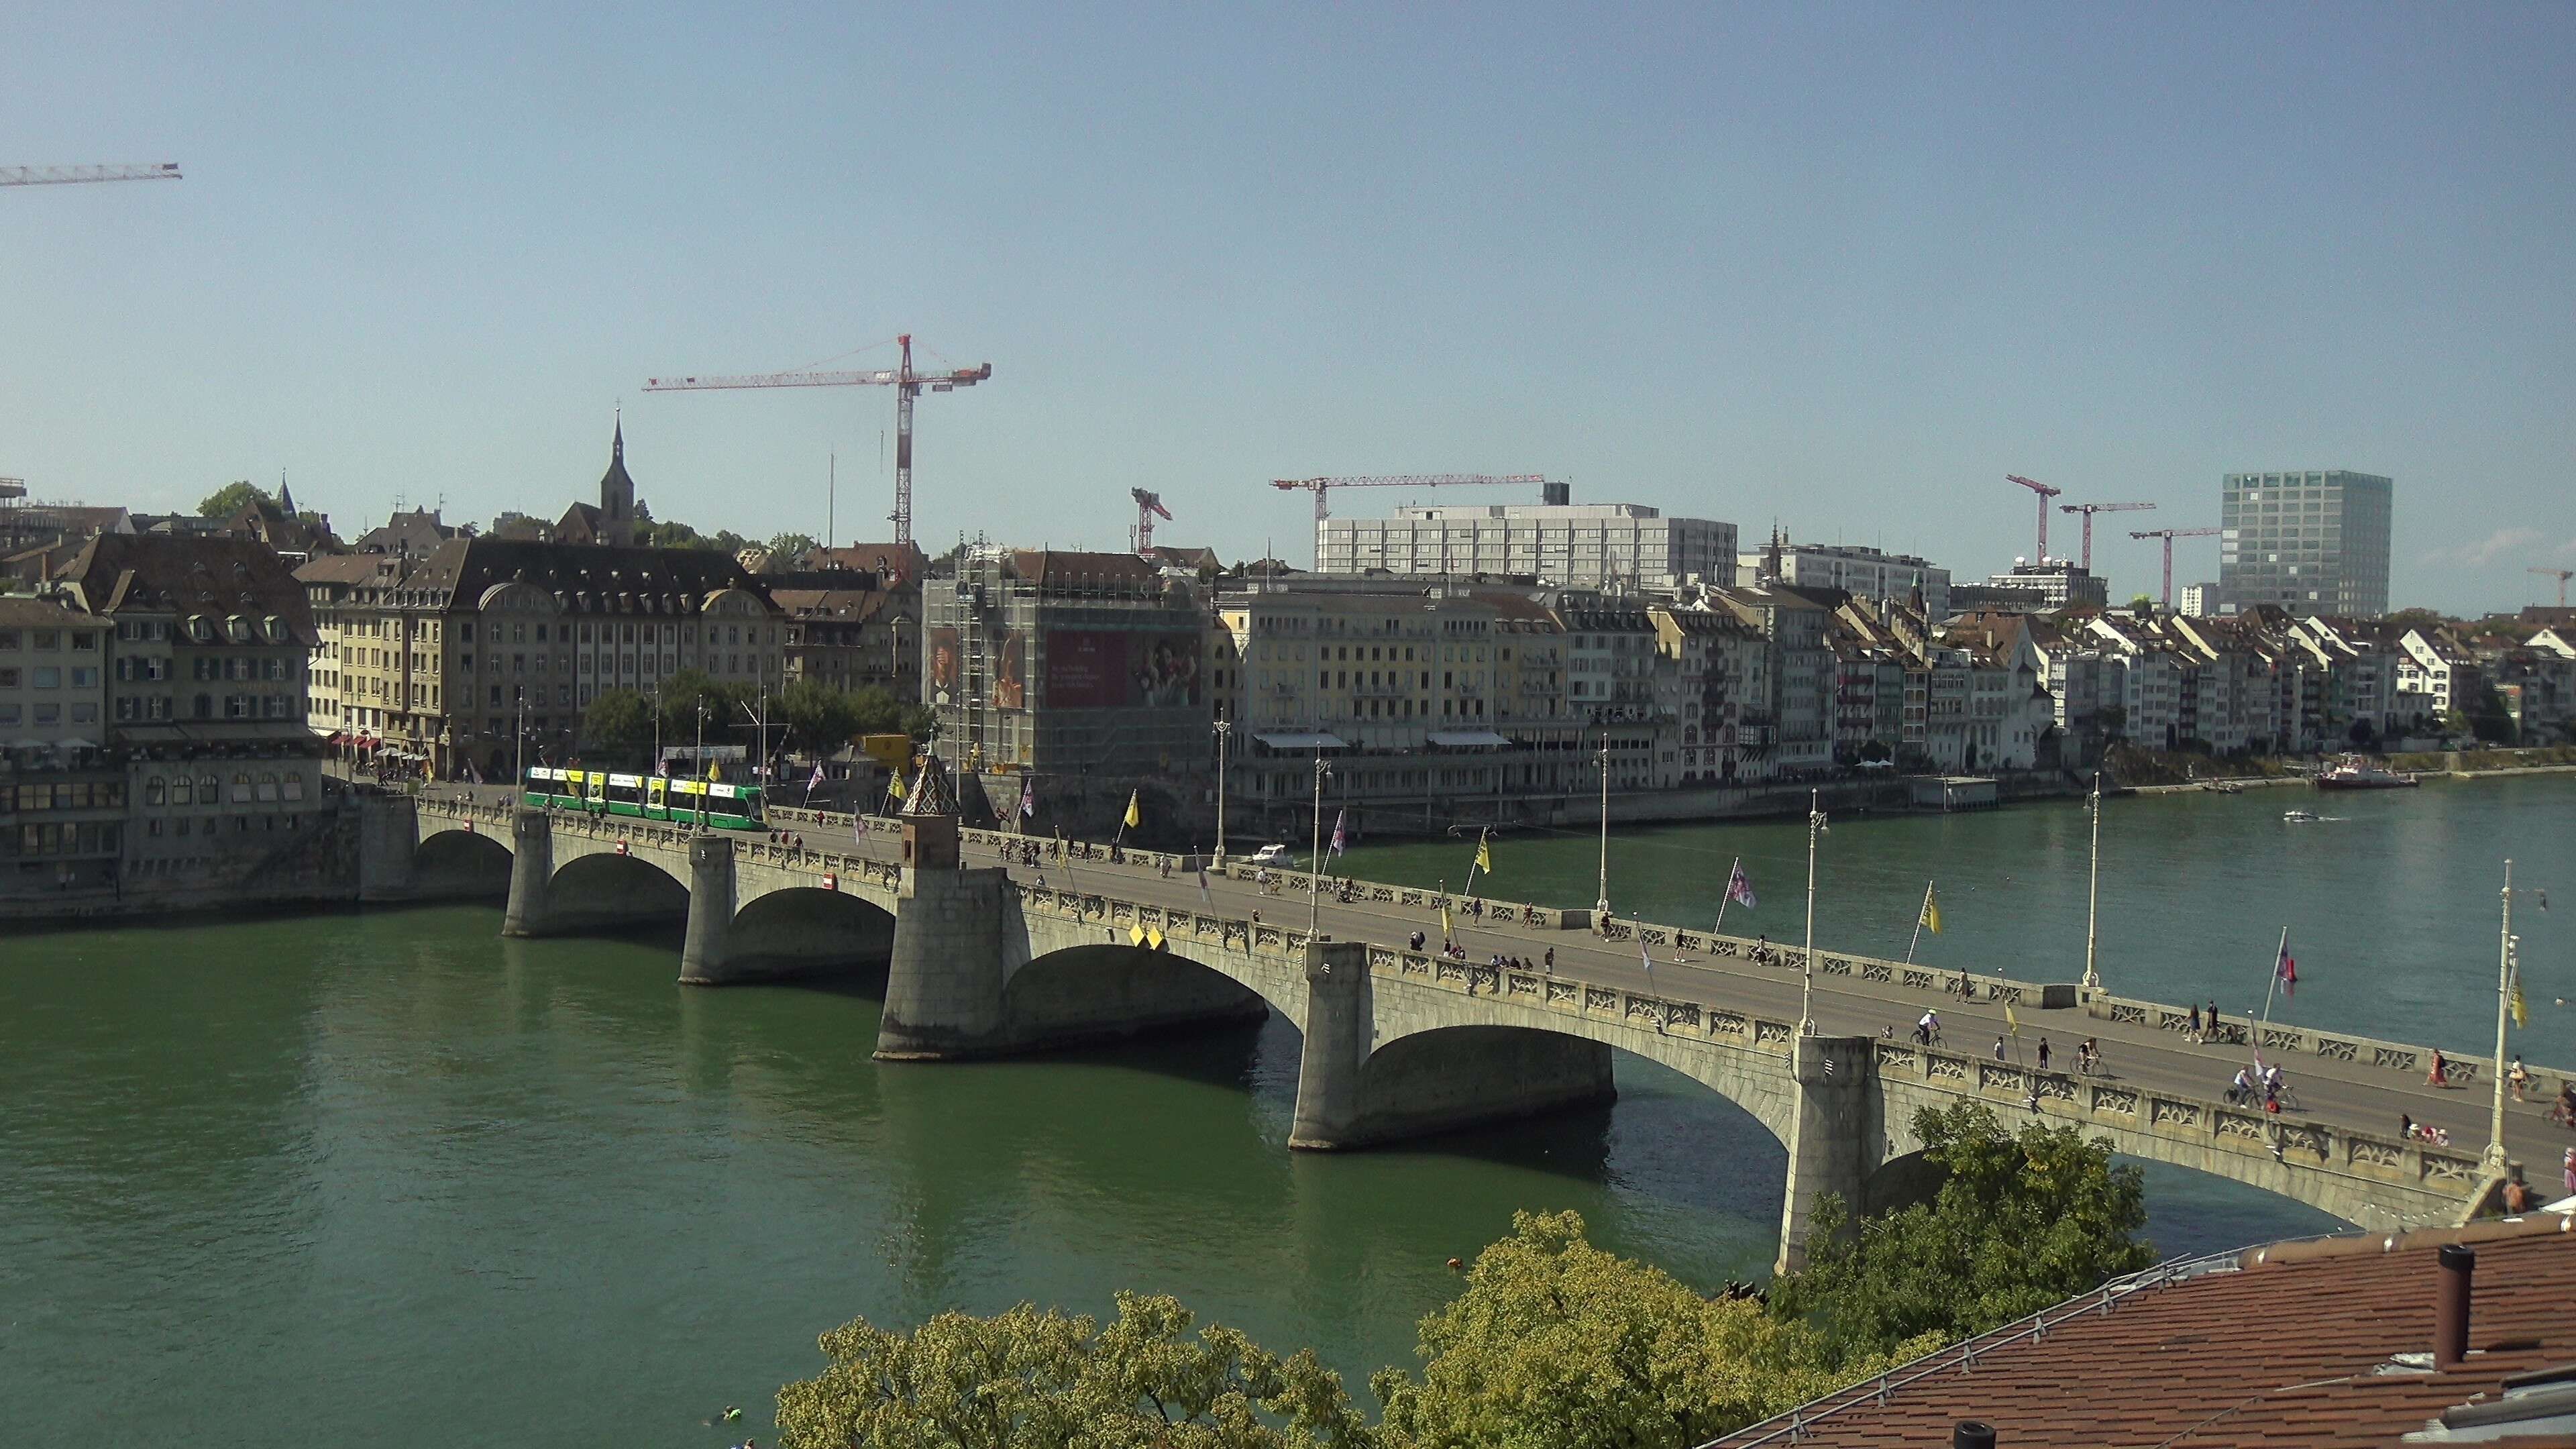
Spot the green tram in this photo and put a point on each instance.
(646, 797)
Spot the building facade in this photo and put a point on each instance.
(1624, 546)
(1864, 573)
(2307, 543)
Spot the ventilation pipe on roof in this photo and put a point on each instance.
(2451, 1305)
(1970, 1434)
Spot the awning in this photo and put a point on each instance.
(1302, 740)
(1460, 739)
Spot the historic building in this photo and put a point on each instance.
(458, 659)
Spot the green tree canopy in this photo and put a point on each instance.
(1557, 1343)
(1026, 1378)
(685, 692)
(618, 725)
(232, 498)
(2020, 1223)
(789, 545)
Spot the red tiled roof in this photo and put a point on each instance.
(2291, 1345)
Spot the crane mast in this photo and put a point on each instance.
(2045, 493)
(907, 385)
(2169, 535)
(2562, 576)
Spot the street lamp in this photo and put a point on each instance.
(1807, 967)
(1315, 875)
(1224, 729)
(2506, 965)
(1601, 902)
(2093, 895)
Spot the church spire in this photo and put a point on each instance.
(617, 441)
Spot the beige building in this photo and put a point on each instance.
(449, 660)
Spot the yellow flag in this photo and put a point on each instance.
(894, 787)
(715, 769)
(1484, 855)
(2521, 1013)
(1931, 911)
(2011, 1020)
(1445, 932)
(1135, 817)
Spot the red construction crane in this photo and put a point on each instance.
(1149, 506)
(907, 385)
(2088, 510)
(1321, 486)
(2045, 493)
(68, 175)
(2562, 576)
(2169, 535)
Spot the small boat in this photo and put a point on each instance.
(2224, 789)
(2299, 817)
(2352, 772)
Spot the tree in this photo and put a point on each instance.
(787, 546)
(1023, 1377)
(1557, 1343)
(510, 523)
(2142, 604)
(618, 724)
(819, 718)
(685, 692)
(232, 498)
(2020, 1222)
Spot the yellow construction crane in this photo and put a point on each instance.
(72, 175)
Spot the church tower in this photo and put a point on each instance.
(617, 493)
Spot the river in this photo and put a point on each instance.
(383, 1177)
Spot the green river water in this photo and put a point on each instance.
(385, 1178)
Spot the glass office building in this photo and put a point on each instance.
(2306, 543)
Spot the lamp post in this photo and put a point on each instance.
(1601, 902)
(2093, 894)
(1315, 875)
(1807, 965)
(1224, 729)
(519, 741)
(2494, 1161)
(702, 762)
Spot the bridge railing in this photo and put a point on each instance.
(1933, 984)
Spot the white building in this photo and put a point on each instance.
(1579, 545)
(2199, 601)
(2057, 582)
(1864, 572)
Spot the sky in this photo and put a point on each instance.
(1838, 268)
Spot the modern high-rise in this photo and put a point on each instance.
(1579, 545)
(2305, 543)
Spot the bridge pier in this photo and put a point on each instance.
(388, 837)
(943, 996)
(703, 957)
(1836, 1133)
(1340, 1027)
(532, 869)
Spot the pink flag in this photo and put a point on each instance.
(1336, 847)
(1738, 888)
(2288, 970)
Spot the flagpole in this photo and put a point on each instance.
(1725, 896)
(1470, 891)
(1918, 923)
(2277, 953)
(1807, 965)
(2494, 1159)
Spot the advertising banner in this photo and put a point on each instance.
(1116, 669)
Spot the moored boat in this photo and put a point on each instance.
(2352, 772)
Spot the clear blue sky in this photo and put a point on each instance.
(1839, 266)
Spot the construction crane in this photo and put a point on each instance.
(2169, 535)
(71, 175)
(907, 385)
(2045, 493)
(2561, 575)
(1320, 487)
(2088, 510)
(1149, 506)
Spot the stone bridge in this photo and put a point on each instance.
(1397, 1043)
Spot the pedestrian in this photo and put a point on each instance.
(2195, 1021)
(1550, 959)
(2517, 1194)
(2043, 1054)
(1414, 942)
(2519, 1078)
(1999, 1049)
(2406, 1129)
(2440, 1075)
(2210, 1022)
(2570, 1165)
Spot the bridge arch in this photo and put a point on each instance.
(1104, 991)
(460, 864)
(605, 891)
(797, 929)
(1455, 1076)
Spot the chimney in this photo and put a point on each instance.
(2451, 1305)
(1970, 1434)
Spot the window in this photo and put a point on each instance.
(155, 790)
(47, 676)
(182, 792)
(268, 785)
(84, 676)
(294, 784)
